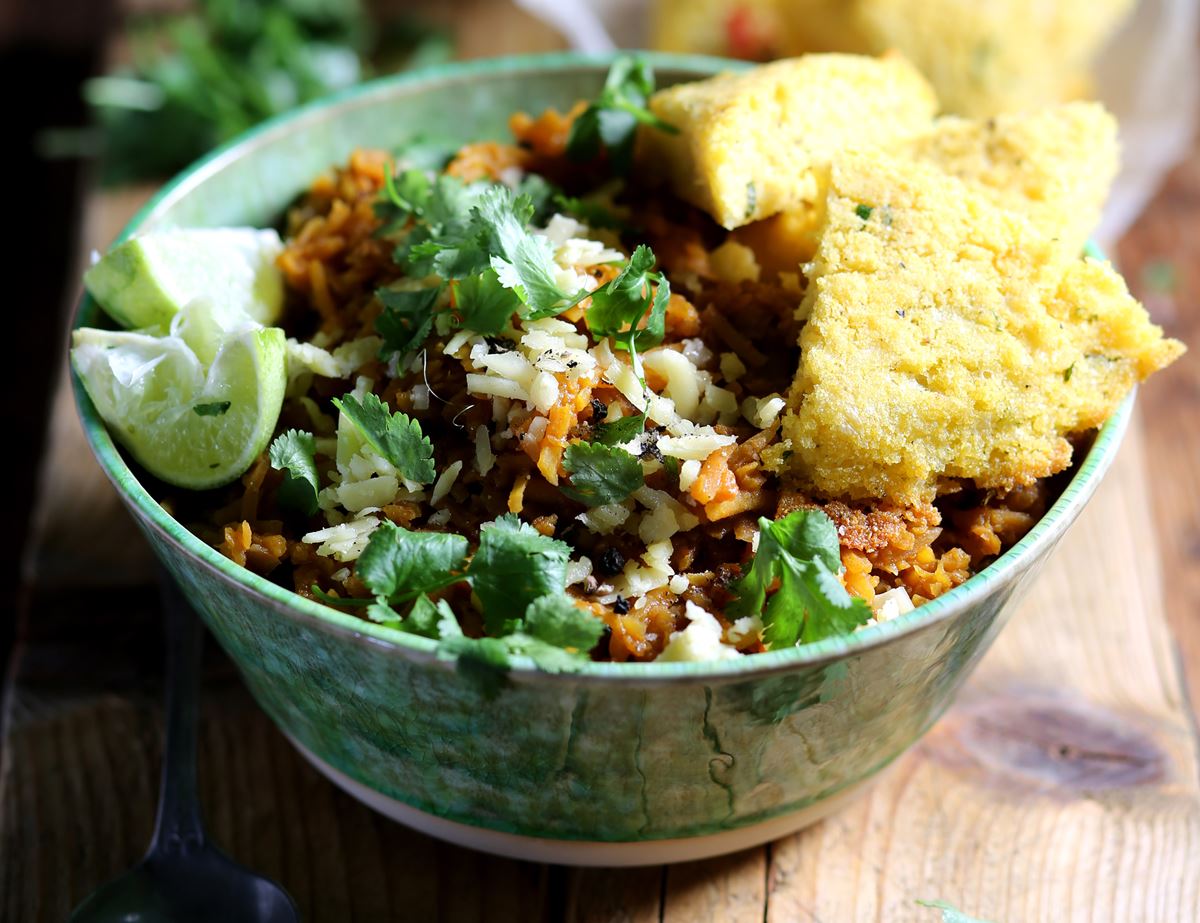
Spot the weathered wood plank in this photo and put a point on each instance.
(1062, 784)
(1161, 259)
(729, 888)
(615, 895)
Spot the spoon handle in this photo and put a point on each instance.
(178, 828)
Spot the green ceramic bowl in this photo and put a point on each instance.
(617, 764)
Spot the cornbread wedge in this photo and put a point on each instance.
(1053, 166)
(754, 144)
(947, 338)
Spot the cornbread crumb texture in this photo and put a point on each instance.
(947, 338)
(753, 144)
(1053, 166)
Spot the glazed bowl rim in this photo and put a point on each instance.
(1005, 569)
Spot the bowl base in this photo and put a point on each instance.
(585, 852)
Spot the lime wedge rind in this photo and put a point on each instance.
(145, 281)
(147, 389)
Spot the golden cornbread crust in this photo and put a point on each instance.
(754, 144)
(946, 338)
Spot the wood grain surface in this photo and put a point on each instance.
(1064, 784)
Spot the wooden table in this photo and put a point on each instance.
(1063, 785)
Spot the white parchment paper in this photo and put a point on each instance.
(1148, 76)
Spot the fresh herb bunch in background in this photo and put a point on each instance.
(197, 80)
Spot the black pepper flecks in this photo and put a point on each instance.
(610, 562)
(599, 410)
(621, 605)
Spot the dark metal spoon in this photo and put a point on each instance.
(184, 878)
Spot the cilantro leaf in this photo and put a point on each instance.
(484, 304)
(426, 618)
(619, 432)
(523, 261)
(591, 213)
(557, 620)
(542, 194)
(406, 320)
(801, 550)
(408, 194)
(398, 565)
(446, 238)
(514, 565)
(395, 436)
(610, 123)
(294, 453)
(600, 473)
(484, 661)
(618, 307)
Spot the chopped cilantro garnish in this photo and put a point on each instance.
(215, 409)
(600, 473)
(1068, 372)
(398, 565)
(395, 436)
(484, 305)
(406, 320)
(864, 211)
(294, 454)
(610, 123)
(618, 307)
(407, 195)
(591, 213)
(801, 551)
(523, 261)
(519, 577)
(556, 620)
(619, 432)
(515, 564)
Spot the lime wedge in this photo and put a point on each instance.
(194, 407)
(145, 281)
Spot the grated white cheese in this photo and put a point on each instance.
(666, 515)
(747, 628)
(695, 446)
(603, 519)
(678, 584)
(440, 518)
(484, 456)
(578, 571)
(345, 541)
(420, 397)
(683, 379)
(343, 362)
(891, 604)
(489, 386)
(444, 482)
(639, 579)
(762, 412)
(543, 392)
(688, 472)
(697, 351)
(700, 641)
(375, 492)
(723, 401)
(732, 367)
